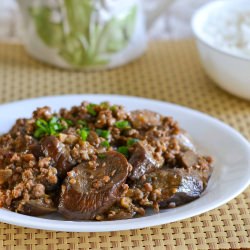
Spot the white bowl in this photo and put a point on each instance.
(229, 71)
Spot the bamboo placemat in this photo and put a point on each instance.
(169, 71)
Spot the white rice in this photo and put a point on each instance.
(229, 30)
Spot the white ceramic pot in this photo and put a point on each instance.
(85, 34)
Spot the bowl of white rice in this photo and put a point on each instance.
(222, 31)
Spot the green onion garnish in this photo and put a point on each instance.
(132, 141)
(123, 150)
(105, 144)
(69, 122)
(41, 123)
(82, 123)
(101, 156)
(84, 132)
(122, 124)
(91, 109)
(39, 133)
(104, 105)
(51, 127)
(103, 133)
(113, 108)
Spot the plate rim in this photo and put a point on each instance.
(75, 226)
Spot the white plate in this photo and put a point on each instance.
(230, 150)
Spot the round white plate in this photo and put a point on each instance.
(230, 150)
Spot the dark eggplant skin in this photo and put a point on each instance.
(93, 190)
(52, 147)
(37, 208)
(143, 119)
(142, 160)
(178, 186)
(189, 159)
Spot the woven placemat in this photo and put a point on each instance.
(169, 71)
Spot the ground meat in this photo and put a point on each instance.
(39, 155)
(43, 113)
(38, 191)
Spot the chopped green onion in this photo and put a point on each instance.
(39, 133)
(105, 144)
(113, 108)
(104, 105)
(122, 124)
(132, 141)
(69, 122)
(53, 120)
(51, 127)
(41, 123)
(82, 123)
(84, 132)
(54, 126)
(101, 156)
(103, 133)
(123, 150)
(42, 128)
(90, 108)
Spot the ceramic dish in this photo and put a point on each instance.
(229, 70)
(230, 150)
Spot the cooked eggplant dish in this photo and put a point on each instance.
(99, 162)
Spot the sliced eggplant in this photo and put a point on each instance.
(177, 186)
(36, 150)
(143, 119)
(90, 190)
(52, 147)
(37, 207)
(143, 160)
(189, 159)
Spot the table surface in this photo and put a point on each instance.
(169, 71)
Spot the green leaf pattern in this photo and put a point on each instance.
(79, 37)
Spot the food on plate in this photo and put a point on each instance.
(99, 162)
